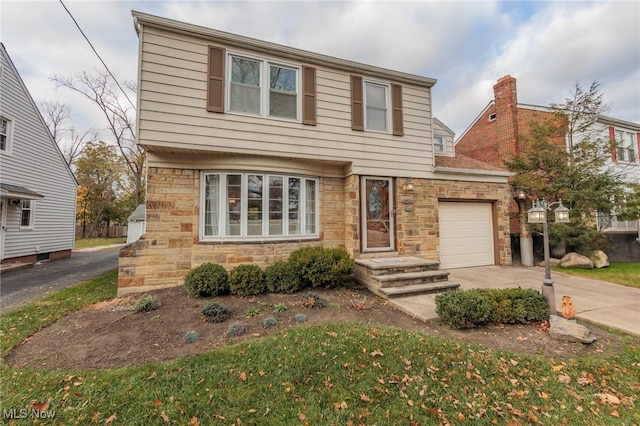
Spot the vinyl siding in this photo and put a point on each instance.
(173, 116)
(36, 163)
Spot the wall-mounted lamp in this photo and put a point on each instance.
(16, 202)
(519, 194)
(409, 185)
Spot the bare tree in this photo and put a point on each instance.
(100, 89)
(70, 141)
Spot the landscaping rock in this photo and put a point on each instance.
(600, 259)
(552, 261)
(575, 260)
(568, 330)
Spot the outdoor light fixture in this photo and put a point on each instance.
(16, 202)
(538, 214)
(409, 185)
(519, 194)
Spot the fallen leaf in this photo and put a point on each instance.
(410, 403)
(243, 376)
(40, 406)
(110, 419)
(156, 403)
(614, 413)
(575, 395)
(563, 378)
(152, 376)
(302, 417)
(338, 406)
(262, 373)
(331, 334)
(461, 417)
(193, 421)
(365, 398)
(607, 398)
(557, 367)
(377, 352)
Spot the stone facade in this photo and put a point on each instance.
(170, 246)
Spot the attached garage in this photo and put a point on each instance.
(466, 234)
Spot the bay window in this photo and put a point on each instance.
(258, 206)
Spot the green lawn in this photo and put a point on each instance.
(627, 273)
(339, 374)
(96, 242)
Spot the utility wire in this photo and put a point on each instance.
(96, 52)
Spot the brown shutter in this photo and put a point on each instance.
(612, 138)
(309, 96)
(396, 105)
(357, 107)
(215, 79)
(638, 147)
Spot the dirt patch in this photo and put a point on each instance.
(108, 334)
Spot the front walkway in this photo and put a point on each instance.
(604, 303)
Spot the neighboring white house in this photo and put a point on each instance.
(136, 224)
(37, 188)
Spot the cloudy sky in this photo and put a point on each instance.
(466, 46)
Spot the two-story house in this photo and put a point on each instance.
(37, 188)
(256, 149)
(501, 128)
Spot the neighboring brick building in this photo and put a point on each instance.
(500, 131)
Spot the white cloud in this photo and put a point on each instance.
(466, 46)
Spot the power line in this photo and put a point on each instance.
(96, 52)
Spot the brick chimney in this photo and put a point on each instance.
(505, 95)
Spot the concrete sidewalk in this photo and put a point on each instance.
(600, 302)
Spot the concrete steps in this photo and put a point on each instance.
(402, 276)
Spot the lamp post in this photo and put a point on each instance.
(538, 214)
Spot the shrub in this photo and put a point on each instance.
(251, 312)
(280, 307)
(463, 309)
(322, 267)
(301, 318)
(517, 306)
(146, 304)
(236, 329)
(282, 277)
(247, 280)
(215, 312)
(269, 322)
(190, 337)
(208, 279)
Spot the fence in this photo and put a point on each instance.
(111, 231)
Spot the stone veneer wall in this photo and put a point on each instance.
(170, 247)
(417, 231)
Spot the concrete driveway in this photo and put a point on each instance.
(596, 301)
(20, 286)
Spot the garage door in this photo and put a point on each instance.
(466, 234)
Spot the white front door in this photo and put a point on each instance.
(3, 214)
(377, 214)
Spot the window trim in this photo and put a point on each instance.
(435, 145)
(31, 210)
(9, 136)
(388, 106)
(264, 236)
(265, 65)
(620, 146)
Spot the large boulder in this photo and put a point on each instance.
(600, 259)
(575, 260)
(552, 262)
(568, 330)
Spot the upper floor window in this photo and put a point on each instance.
(625, 146)
(263, 88)
(240, 206)
(26, 218)
(438, 144)
(376, 100)
(5, 134)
